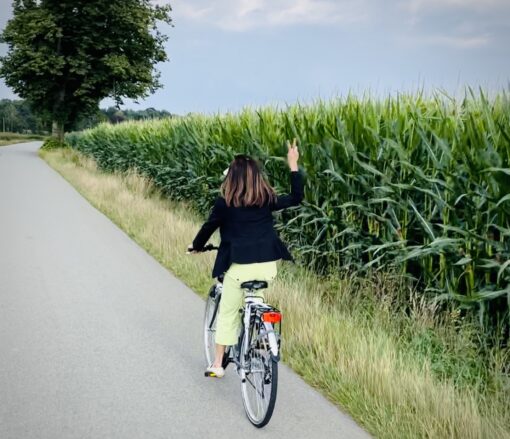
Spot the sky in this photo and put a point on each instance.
(229, 54)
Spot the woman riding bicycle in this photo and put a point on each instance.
(249, 245)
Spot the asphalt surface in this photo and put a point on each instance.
(97, 340)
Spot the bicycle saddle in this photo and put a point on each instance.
(254, 285)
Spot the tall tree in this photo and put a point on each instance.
(65, 56)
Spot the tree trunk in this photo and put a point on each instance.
(57, 130)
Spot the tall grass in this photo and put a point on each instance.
(413, 184)
(400, 372)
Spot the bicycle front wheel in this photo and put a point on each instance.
(261, 380)
(210, 317)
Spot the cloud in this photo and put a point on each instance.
(459, 24)
(453, 41)
(424, 6)
(242, 15)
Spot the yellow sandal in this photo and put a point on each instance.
(215, 372)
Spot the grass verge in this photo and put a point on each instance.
(400, 374)
(11, 138)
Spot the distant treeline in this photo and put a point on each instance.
(17, 117)
(115, 115)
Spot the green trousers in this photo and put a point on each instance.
(228, 324)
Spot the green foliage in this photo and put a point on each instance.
(53, 143)
(115, 115)
(17, 117)
(410, 184)
(65, 57)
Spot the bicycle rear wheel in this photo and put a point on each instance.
(260, 385)
(210, 317)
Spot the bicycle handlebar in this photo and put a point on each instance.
(207, 248)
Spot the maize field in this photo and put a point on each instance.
(414, 184)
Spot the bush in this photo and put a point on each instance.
(53, 143)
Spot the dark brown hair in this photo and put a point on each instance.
(245, 185)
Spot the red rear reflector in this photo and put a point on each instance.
(271, 317)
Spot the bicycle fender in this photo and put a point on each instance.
(273, 344)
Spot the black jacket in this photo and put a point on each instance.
(247, 233)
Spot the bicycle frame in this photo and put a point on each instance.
(254, 306)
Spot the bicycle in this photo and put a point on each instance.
(257, 352)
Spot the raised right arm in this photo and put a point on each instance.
(296, 193)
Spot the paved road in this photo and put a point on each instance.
(97, 340)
